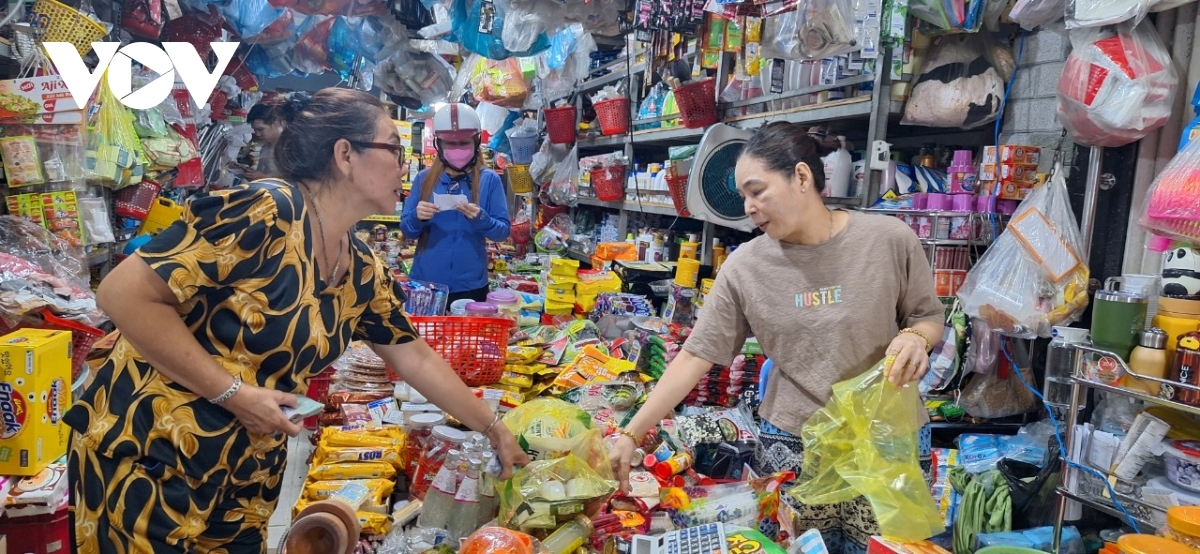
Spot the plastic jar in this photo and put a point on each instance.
(459, 307)
(1150, 544)
(420, 429)
(441, 441)
(506, 303)
(1183, 525)
(481, 309)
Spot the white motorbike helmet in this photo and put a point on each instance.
(456, 121)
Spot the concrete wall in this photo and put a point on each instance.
(1030, 116)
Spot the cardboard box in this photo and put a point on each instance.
(39, 495)
(1015, 173)
(1012, 154)
(1008, 190)
(21, 98)
(35, 377)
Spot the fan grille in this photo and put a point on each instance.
(718, 188)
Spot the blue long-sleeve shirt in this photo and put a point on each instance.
(455, 252)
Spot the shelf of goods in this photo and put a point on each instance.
(874, 108)
(1083, 486)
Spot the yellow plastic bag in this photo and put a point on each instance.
(548, 428)
(864, 443)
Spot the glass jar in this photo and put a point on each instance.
(441, 441)
(420, 430)
(1183, 525)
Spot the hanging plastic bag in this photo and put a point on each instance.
(1117, 86)
(522, 24)
(343, 43)
(1097, 13)
(250, 17)
(961, 83)
(826, 29)
(143, 18)
(1035, 276)
(564, 189)
(479, 26)
(1000, 393)
(547, 493)
(864, 443)
(1173, 205)
(1031, 14)
(541, 169)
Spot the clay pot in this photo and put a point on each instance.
(325, 527)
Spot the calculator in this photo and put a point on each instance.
(703, 539)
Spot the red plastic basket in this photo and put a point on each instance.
(678, 187)
(135, 201)
(474, 346)
(697, 103)
(613, 116)
(609, 183)
(43, 534)
(82, 336)
(318, 389)
(560, 124)
(546, 213)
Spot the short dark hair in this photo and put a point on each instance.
(781, 145)
(305, 148)
(281, 109)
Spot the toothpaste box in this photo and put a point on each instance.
(1012, 154)
(35, 377)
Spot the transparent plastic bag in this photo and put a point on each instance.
(1118, 85)
(1097, 13)
(547, 493)
(750, 504)
(522, 24)
(564, 190)
(1031, 14)
(1034, 276)
(1000, 393)
(250, 17)
(479, 26)
(961, 84)
(864, 443)
(1173, 207)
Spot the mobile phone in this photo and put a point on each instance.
(305, 407)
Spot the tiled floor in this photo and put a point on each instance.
(299, 449)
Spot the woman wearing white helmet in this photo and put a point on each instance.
(451, 246)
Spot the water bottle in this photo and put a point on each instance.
(439, 499)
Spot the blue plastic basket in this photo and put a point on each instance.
(523, 149)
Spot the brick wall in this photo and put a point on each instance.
(1030, 117)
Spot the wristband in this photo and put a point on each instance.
(232, 390)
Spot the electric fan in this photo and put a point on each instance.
(712, 193)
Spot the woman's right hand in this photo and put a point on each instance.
(258, 409)
(620, 455)
(426, 210)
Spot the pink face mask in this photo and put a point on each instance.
(458, 157)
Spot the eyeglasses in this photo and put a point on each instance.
(396, 149)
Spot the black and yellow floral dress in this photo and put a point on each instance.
(154, 467)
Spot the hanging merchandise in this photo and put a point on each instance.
(479, 27)
(1031, 14)
(961, 84)
(415, 79)
(563, 189)
(1035, 275)
(311, 54)
(143, 18)
(815, 30)
(954, 16)
(1098, 13)
(248, 18)
(1118, 85)
(114, 152)
(1173, 205)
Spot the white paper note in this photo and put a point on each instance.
(449, 201)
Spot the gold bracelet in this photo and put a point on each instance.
(911, 331)
(625, 432)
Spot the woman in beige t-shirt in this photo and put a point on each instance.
(827, 293)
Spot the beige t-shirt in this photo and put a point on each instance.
(824, 313)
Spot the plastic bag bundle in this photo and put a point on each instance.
(563, 188)
(479, 27)
(961, 83)
(250, 17)
(1031, 14)
(1097, 13)
(1035, 275)
(864, 443)
(1117, 86)
(1173, 205)
(817, 29)
(114, 153)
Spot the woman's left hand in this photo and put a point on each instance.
(909, 359)
(470, 210)
(507, 450)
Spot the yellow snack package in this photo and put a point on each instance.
(375, 524)
(330, 454)
(352, 470)
(515, 379)
(523, 354)
(386, 437)
(381, 490)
